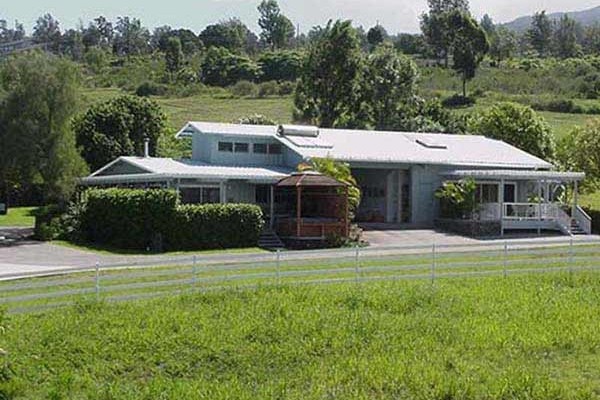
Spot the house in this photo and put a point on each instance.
(398, 173)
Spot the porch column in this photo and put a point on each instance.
(539, 191)
(575, 198)
(223, 190)
(272, 207)
(501, 207)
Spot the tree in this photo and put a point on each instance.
(47, 31)
(118, 127)
(591, 39)
(131, 37)
(231, 34)
(540, 33)
(468, 47)
(71, 44)
(390, 81)
(326, 92)
(220, 67)
(190, 43)
(38, 145)
(10, 35)
(434, 25)
(281, 65)
(376, 35)
(409, 44)
(517, 125)
(160, 36)
(579, 150)
(173, 55)
(277, 29)
(503, 44)
(99, 33)
(565, 38)
(487, 24)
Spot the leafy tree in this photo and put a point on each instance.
(277, 29)
(281, 65)
(409, 44)
(591, 39)
(487, 24)
(540, 33)
(11, 34)
(131, 37)
(458, 199)
(99, 33)
(565, 38)
(38, 145)
(339, 171)
(222, 68)
(390, 80)
(231, 34)
(469, 46)
(71, 44)
(173, 55)
(503, 44)
(376, 35)
(326, 92)
(118, 127)
(517, 125)
(160, 37)
(579, 150)
(47, 31)
(434, 25)
(190, 43)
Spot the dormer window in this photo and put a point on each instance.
(226, 147)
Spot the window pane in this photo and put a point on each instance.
(211, 195)
(260, 148)
(241, 147)
(275, 148)
(226, 146)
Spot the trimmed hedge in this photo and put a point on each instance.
(152, 219)
(216, 226)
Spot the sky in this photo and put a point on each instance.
(394, 15)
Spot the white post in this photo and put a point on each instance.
(501, 207)
(539, 187)
(575, 198)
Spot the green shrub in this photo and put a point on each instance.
(244, 89)
(270, 88)
(287, 88)
(148, 88)
(47, 223)
(215, 226)
(458, 100)
(127, 218)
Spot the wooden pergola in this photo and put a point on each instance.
(315, 206)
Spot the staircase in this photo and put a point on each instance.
(269, 240)
(575, 228)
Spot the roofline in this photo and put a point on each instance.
(113, 162)
(90, 180)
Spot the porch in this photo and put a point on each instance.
(528, 200)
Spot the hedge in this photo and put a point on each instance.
(152, 219)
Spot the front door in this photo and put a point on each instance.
(510, 193)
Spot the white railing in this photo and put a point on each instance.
(584, 220)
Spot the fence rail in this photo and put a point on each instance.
(131, 281)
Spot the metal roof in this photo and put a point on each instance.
(387, 147)
(307, 179)
(516, 174)
(165, 168)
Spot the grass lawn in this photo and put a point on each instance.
(18, 216)
(520, 337)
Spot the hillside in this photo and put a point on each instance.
(585, 18)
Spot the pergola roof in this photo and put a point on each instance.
(308, 179)
(516, 174)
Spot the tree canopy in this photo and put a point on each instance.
(277, 29)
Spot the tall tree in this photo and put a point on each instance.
(47, 31)
(327, 89)
(540, 33)
(118, 127)
(277, 29)
(390, 81)
(376, 35)
(11, 34)
(591, 39)
(38, 145)
(469, 46)
(231, 34)
(131, 37)
(99, 32)
(434, 25)
(503, 44)
(565, 38)
(173, 55)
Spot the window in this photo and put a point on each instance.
(487, 193)
(259, 148)
(275, 148)
(241, 147)
(226, 147)
(263, 194)
(211, 195)
(200, 195)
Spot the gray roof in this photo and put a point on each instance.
(387, 147)
(516, 174)
(163, 168)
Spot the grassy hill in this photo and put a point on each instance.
(584, 17)
(494, 338)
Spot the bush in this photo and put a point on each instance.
(270, 88)
(281, 66)
(128, 219)
(244, 89)
(47, 223)
(215, 226)
(458, 100)
(287, 88)
(148, 88)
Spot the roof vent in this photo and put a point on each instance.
(430, 143)
(298, 130)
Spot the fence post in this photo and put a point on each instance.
(357, 262)
(97, 281)
(505, 263)
(194, 264)
(278, 266)
(433, 261)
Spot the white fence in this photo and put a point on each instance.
(127, 281)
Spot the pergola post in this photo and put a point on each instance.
(272, 207)
(298, 210)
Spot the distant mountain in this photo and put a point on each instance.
(585, 18)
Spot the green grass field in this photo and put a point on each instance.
(18, 216)
(522, 337)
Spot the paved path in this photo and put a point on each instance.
(22, 256)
